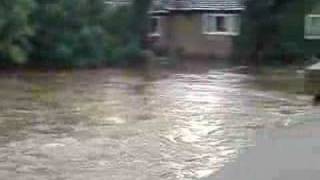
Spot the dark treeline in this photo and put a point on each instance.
(72, 33)
(273, 32)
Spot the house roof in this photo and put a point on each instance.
(188, 5)
(205, 5)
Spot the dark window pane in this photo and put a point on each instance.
(154, 25)
(221, 23)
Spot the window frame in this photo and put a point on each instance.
(157, 33)
(115, 5)
(224, 15)
(308, 26)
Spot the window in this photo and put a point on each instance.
(154, 26)
(221, 24)
(312, 27)
(116, 4)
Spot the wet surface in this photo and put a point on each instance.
(138, 124)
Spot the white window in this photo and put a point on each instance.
(312, 27)
(221, 24)
(155, 28)
(115, 4)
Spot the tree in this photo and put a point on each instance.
(15, 30)
(131, 32)
(139, 18)
(262, 39)
(87, 33)
(69, 33)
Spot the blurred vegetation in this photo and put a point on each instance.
(273, 32)
(72, 33)
(15, 31)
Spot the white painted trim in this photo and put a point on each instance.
(159, 28)
(313, 15)
(309, 37)
(221, 33)
(156, 17)
(308, 27)
(154, 35)
(112, 3)
(222, 14)
(206, 9)
(158, 12)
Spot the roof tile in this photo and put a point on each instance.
(205, 4)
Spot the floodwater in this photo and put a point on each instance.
(150, 124)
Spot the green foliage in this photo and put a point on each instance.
(15, 30)
(72, 33)
(69, 33)
(139, 18)
(121, 54)
(272, 32)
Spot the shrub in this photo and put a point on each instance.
(268, 32)
(127, 55)
(71, 33)
(15, 30)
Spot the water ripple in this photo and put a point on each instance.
(118, 123)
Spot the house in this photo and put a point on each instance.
(312, 28)
(196, 28)
(312, 47)
(312, 24)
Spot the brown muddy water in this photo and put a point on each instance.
(149, 124)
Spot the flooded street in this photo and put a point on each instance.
(138, 124)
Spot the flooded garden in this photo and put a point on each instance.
(147, 124)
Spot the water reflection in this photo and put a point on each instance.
(129, 124)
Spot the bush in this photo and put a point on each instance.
(267, 32)
(71, 33)
(15, 30)
(128, 55)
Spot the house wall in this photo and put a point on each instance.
(162, 42)
(312, 47)
(183, 32)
